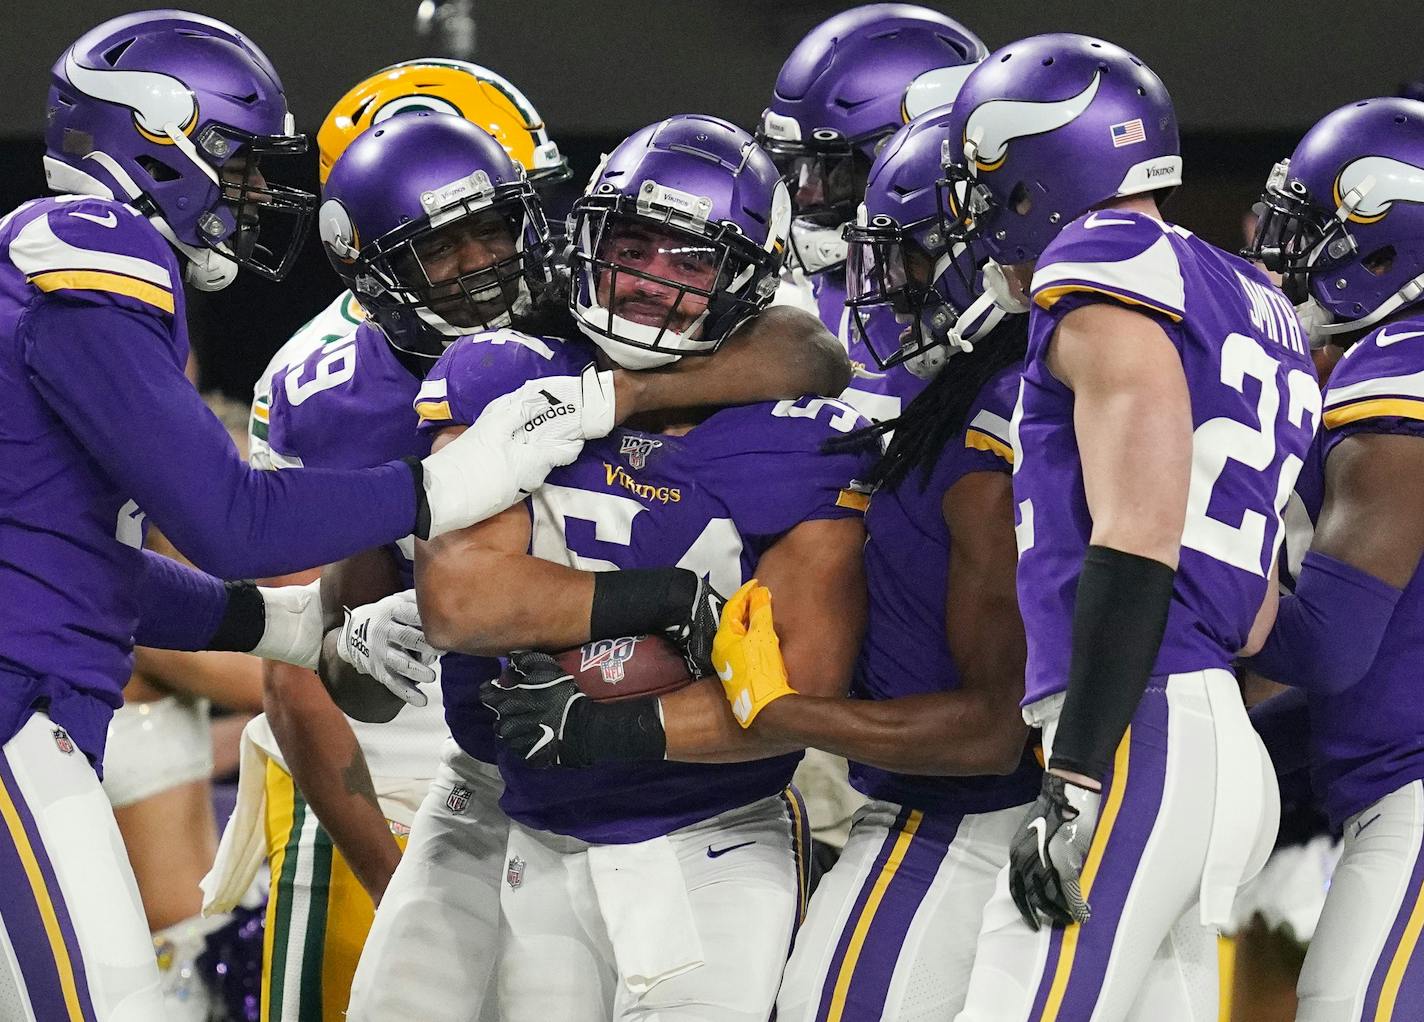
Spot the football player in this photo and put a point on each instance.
(339, 796)
(157, 123)
(1341, 223)
(846, 87)
(477, 256)
(476, 93)
(934, 733)
(1167, 403)
(656, 887)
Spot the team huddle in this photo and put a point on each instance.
(904, 428)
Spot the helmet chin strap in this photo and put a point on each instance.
(1320, 327)
(205, 269)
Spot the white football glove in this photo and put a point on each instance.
(517, 440)
(384, 640)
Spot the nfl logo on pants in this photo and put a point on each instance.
(515, 872)
(457, 800)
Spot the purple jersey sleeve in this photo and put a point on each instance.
(1378, 387)
(1113, 256)
(100, 252)
(796, 478)
(476, 370)
(109, 374)
(987, 444)
(179, 607)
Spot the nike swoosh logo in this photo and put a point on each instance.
(725, 673)
(543, 741)
(1363, 824)
(713, 853)
(1040, 828)
(1385, 340)
(107, 220)
(1099, 220)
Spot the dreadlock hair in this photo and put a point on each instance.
(939, 413)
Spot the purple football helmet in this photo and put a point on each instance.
(1342, 220)
(171, 113)
(679, 236)
(435, 229)
(901, 268)
(846, 87)
(1046, 129)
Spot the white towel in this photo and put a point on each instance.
(244, 839)
(643, 897)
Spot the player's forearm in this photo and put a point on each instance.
(330, 770)
(949, 733)
(780, 353)
(700, 728)
(494, 603)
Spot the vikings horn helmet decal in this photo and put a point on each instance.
(1380, 181)
(158, 101)
(992, 126)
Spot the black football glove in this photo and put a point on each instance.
(532, 706)
(694, 634)
(1046, 855)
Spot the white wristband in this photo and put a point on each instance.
(292, 631)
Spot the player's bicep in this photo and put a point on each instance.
(817, 580)
(1373, 514)
(1133, 419)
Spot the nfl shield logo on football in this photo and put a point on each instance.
(637, 448)
(514, 873)
(457, 800)
(609, 656)
(63, 742)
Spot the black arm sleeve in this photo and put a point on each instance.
(640, 601)
(1118, 621)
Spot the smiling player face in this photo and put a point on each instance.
(460, 257)
(679, 261)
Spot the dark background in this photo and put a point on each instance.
(1247, 79)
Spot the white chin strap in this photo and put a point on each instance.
(205, 269)
(996, 286)
(638, 351)
(1320, 325)
(818, 248)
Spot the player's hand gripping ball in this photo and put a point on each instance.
(747, 654)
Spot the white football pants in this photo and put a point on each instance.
(692, 926)
(892, 927)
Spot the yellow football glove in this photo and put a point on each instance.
(747, 654)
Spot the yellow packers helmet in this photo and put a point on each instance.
(452, 86)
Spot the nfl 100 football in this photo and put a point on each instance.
(607, 670)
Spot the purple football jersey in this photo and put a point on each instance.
(1365, 741)
(712, 500)
(70, 537)
(877, 394)
(350, 404)
(472, 373)
(907, 571)
(1255, 407)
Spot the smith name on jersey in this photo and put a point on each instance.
(711, 500)
(1255, 407)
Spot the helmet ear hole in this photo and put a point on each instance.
(157, 169)
(1021, 199)
(1379, 261)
